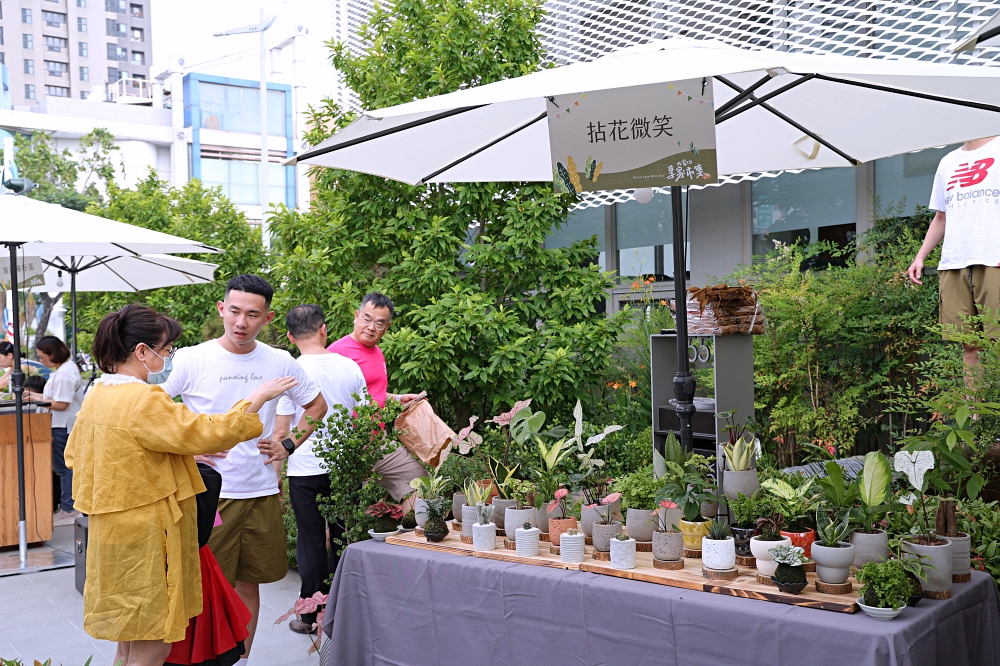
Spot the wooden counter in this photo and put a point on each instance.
(37, 478)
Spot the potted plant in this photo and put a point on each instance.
(837, 491)
(559, 521)
(789, 574)
(937, 548)
(740, 475)
(744, 511)
(831, 552)
(638, 491)
(409, 520)
(430, 486)
(796, 504)
(549, 479)
(718, 549)
(668, 542)
(885, 589)
(526, 539)
(690, 492)
(595, 494)
(475, 495)
(522, 512)
(572, 546)
(502, 477)
(436, 528)
(386, 520)
(870, 543)
(914, 565)
(607, 526)
(484, 532)
(458, 500)
(623, 552)
(946, 525)
(769, 537)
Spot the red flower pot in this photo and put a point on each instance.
(803, 540)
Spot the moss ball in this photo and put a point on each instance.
(409, 520)
(786, 573)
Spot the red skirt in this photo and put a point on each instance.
(214, 638)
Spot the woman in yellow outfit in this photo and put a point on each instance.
(132, 454)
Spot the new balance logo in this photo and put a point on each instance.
(968, 175)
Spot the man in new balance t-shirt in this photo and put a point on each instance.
(966, 196)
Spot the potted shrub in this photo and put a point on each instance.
(831, 552)
(623, 552)
(740, 475)
(484, 532)
(595, 494)
(607, 526)
(743, 514)
(573, 546)
(458, 500)
(430, 486)
(502, 477)
(718, 549)
(526, 539)
(549, 479)
(638, 491)
(522, 512)
(914, 565)
(475, 495)
(870, 543)
(436, 527)
(559, 522)
(668, 542)
(796, 504)
(409, 520)
(946, 525)
(926, 543)
(690, 493)
(769, 537)
(789, 574)
(386, 519)
(885, 589)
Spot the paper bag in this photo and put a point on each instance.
(423, 433)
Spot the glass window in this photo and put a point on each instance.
(116, 52)
(53, 19)
(237, 109)
(136, 11)
(55, 43)
(645, 238)
(3, 59)
(138, 58)
(907, 179)
(81, 3)
(239, 180)
(1, 35)
(84, 94)
(25, 15)
(114, 6)
(29, 66)
(57, 91)
(803, 207)
(29, 91)
(580, 225)
(113, 74)
(137, 35)
(81, 24)
(82, 48)
(27, 41)
(56, 68)
(84, 73)
(113, 28)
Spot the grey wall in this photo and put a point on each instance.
(718, 233)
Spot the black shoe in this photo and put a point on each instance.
(300, 627)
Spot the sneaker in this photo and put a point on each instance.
(300, 627)
(60, 517)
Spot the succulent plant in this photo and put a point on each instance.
(718, 529)
(829, 531)
(484, 512)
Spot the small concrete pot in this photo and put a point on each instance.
(710, 509)
(623, 554)
(870, 547)
(469, 517)
(573, 547)
(558, 526)
(693, 533)
(734, 483)
(603, 534)
(499, 509)
(668, 546)
(833, 565)
(759, 549)
(938, 577)
(516, 518)
(741, 536)
(457, 502)
(719, 554)
(590, 516)
(639, 524)
(526, 541)
(484, 537)
(961, 554)
(420, 512)
(542, 517)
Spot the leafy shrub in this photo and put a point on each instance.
(981, 521)
(638, 489)
(885, 584)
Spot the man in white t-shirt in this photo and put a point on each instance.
(966, 195)
(340, 379)
(211, 378)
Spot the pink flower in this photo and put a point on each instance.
(562, 492)
(667, 504)
(611, 499)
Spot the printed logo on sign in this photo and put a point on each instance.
(970, 174)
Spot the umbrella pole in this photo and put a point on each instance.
(684, 384)
(17, 381)
(72, 300)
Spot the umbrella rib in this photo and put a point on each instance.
(122, 277)
(989, 34)
(740, 97)
(492, 143)
(910, 93)
(386, 132)
(810, 134)
(760, 100)
(193, 276)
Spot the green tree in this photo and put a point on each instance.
(192, 211)
(485, 314)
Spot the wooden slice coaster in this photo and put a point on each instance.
(419, 531)
(644, 546)
(809, 566)
(833, 588)
(720, 574)
(764, 580)
(544, 536)
(457, 526)
(588, 541)
(500, 532)
(672, 565)
(509, 544)
(604, 557)
(466, 539)
(746, 561)
(937, 594)
(692, 554)
(961, 578)
(554, 549)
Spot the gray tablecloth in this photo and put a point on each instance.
(397, 605)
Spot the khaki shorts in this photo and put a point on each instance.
(968, 292)
(250, 543)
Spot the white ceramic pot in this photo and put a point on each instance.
(526, 541)
(879, 613)
(572, 547)
(516, 518)
(469, 517)
(833, 565)
(938, 576)
(639, 524)
(734, 483)
(484, 537)
(499, 511)
(718, 554)
(420, 511)
(759, 549)
(623, 554)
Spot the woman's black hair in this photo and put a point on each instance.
(7, 348)
(54, 348)
(119, 333)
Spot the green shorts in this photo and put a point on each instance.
(250, 543)
(968, 292)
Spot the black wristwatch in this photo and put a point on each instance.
(289, 445)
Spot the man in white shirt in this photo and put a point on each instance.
(340, 379)
(211, 378)
(966, 195)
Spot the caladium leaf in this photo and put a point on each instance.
(914, 464)
(505, 418)
(908, 500)
(607, 431)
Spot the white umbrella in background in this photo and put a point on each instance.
(988, 34)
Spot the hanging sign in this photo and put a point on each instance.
(654, 135)
(30, 272)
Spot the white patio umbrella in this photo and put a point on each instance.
(988, 34)
(35, 228)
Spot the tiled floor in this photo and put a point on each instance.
(41, 617)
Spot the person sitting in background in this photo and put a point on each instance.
(7, 363)
(35, 384)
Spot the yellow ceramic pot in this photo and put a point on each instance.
(693, 533)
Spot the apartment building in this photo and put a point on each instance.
(72, 48)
